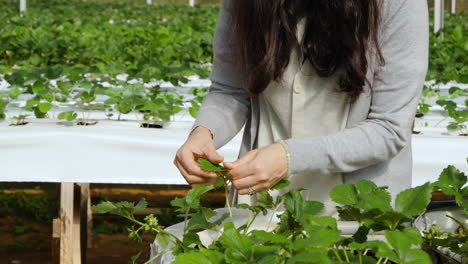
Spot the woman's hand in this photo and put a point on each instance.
(198, 145)
(258, 170)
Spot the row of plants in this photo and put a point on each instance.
(300, 235)
(166, 42)
(64, 52)
(448, 65)
(145, 41)
(44, 88)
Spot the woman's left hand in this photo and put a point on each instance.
(258, 170)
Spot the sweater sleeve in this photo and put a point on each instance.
(226, 108)
(395, 93)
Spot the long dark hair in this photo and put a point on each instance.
(338, 36)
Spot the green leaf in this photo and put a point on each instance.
(44, 107)
(14, 93)
(238, 246)
(134, 259)
(202, 257)
(365, 186)
(69, 116)
(281, 185)
(451, 180)
(401, 241)
(209, 166)
(318, 238)
(377, 198)
(312, 256)
(361, 234)
(314, 223)
(414, 201)
(344, 194)
(163, 239)
(194, 195)
(263, 237)
(191, 239)
(295, 204)
(265, 200)
(104, 207)
(141, 205)
(37, 87)
(262, 251)
(416, 256)
(193, 112)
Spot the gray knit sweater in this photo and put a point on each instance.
(376, 143)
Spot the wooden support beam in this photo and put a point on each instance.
(66, 223)
(56, 241)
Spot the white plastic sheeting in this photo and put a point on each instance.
(110, 152)
(122, 152)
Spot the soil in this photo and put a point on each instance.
(27, 241)
(20, 124)
(34, 245)
(87, 123)
(150, 125)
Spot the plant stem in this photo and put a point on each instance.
(158, 255)
(346, 254)
(253, 220)
(186, 219)
(226, 191)
(380, 260)
(456, 221)
(386, 260)
(247, 224)
(157, 230)
(337, 254)
(271, 218)
(360, 256)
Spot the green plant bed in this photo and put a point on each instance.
(299, 234)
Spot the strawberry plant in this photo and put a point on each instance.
(300, 235)
(199, 94)
(3, 105)
(459, 115)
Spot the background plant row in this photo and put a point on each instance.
(166, 42)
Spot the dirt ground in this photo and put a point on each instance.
(24, 240)
(30, 243)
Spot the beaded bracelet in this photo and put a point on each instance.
(288, 155)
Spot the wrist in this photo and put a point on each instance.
(287, 154)
(201, 131)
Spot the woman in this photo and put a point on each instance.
(327, 91)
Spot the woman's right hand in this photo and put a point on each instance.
(198, 145)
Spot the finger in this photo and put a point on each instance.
(212, 155)
(244, 182)
(188, 161)
(254, 189)
(239, 173)
(191, 179)
(246, 158)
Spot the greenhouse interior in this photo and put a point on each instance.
(190, 131)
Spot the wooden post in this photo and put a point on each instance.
(86, 218)
(192, 3)
(149, 2)
(56, 241)
(438, 16)
(453, 7)
(66, 223)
